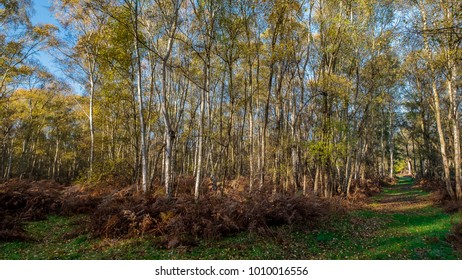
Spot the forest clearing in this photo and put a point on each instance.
(182, 129)
(403, 221)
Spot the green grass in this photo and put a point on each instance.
(362, 234)
(405, 181)
(49, 242)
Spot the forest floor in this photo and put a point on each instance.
(398, 223)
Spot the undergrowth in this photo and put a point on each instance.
(121, 224)
(122, 212)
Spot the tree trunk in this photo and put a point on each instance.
(91, 120)
(444, 157)
(10, 160)
(144, 159)
(391, 147)
(450, 49)
(169, 141)
(55, 159)
(456, 135)
(200, 144)
(204, 95)
(251, 152)
(316, 182)
(169, 130)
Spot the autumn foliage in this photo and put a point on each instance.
(124, 212)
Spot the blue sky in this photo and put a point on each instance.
(42, 15)
(42, 12)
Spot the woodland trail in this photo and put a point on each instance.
(402, 197)
(410, 226)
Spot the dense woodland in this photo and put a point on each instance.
(301, 96)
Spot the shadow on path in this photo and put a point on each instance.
(401, 197)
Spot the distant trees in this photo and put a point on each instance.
(21, 77)
(299, 95)
(80, 57)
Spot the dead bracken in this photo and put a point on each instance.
(125, 212)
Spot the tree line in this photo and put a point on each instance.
(305, 96)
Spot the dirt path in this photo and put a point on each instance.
(401, 198)
(410, 226)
